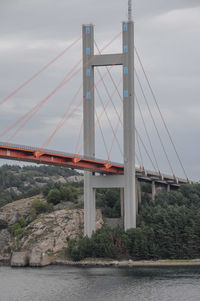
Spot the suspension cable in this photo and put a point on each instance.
(39, 72)
(139, 149)
(145, 149)
(116, 130)
(104, 141)
(66, 79)
(62, 119)
(93, 128)
(122, 102)
(159, 137)
(62, 122)
(147, 134)
(105, 84)
(161, 115)
(37, 107)
(109, 122)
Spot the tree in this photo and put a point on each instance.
(54, 196)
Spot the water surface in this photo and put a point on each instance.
(63, 283)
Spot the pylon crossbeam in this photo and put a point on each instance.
(107, 60)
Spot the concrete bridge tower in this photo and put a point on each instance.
(125, 182)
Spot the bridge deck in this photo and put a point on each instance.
(50, 157)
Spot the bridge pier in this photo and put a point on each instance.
(89, 205)
(122, 202)
(138, 194)
(153, 190)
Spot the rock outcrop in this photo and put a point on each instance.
(19, 259)
(50, 232)
(48, 235)
(33, 259)
(5, 239)
(75, 179)
(13, 211)
(38, 259)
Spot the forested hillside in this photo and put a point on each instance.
(18, 182)
(167, 228)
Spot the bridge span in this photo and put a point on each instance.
(36, 155)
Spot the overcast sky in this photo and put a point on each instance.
(167, 36)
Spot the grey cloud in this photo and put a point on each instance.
(170, 52)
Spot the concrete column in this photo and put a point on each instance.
(129, 126)
(88, 132)
(122, 201)
(168, 188)
(138, 194)
(153, 190)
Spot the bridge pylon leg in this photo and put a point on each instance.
(89, 205)
(129, 126)
(88, 127)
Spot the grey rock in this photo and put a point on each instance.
(50, 232)
(19, 259)
(75, 179)
(13, 211)
(5, 240)
(39, 259)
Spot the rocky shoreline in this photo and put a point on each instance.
(22, 259)
(128, 263)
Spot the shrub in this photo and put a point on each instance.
(41, 207)
(80, 248)
(54, 196)
(109, 201)
(17, 230)
(104, 243)
(3, 224)
(69, 193)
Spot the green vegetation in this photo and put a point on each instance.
(108, 200)
(38, 207)
(21, 182)
(67, 193)
(3, 224)
(168, 228)
(17, 230)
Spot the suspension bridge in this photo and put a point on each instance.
(100, 173)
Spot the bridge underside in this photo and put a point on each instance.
(36, 155)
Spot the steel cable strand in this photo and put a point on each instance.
(145, 149)
(67, 79)
(35, 109)
(39, 72)
(114, 86)
(159, 137)
(116, 130)
(62, 121)
(93, 128)
(147, 134)
(161, 115)
(104, 141)
(106, 89)
(140, 153)
(98, 93)
(81, 86)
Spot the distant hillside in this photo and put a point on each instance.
(18, 182)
